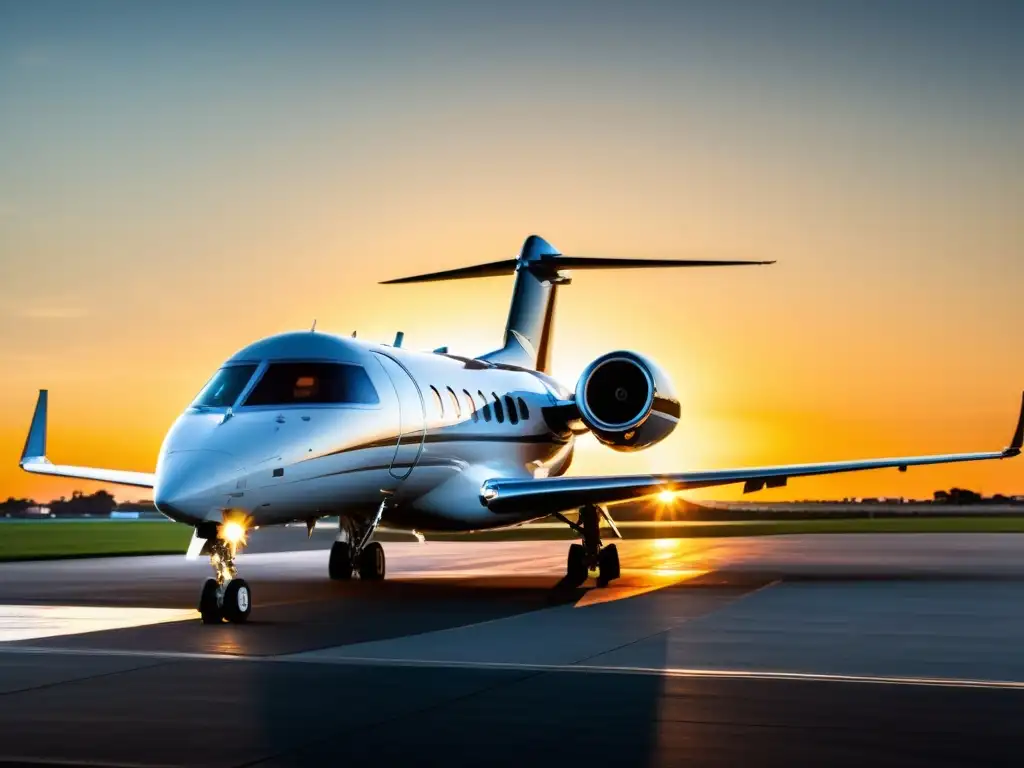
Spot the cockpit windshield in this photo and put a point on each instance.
(313, 383)
(225, 387)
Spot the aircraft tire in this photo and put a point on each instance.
(339, 567)
(237, 601)
(608, 564)
(576, 565)
(372, 564)
(209, 609)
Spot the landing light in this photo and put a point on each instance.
(233, 532)
(667, 497)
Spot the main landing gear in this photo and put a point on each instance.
(354, 554)
(591, 554)
(226, 596)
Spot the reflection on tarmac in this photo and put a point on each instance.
(27, 622)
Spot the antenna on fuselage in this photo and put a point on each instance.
(399, 338)
(313, 329)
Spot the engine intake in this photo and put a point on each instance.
(627, 401)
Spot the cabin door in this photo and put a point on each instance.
(411, 417)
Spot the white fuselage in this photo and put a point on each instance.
(439, 428)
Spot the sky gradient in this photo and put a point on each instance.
(179, 179)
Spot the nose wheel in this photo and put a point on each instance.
(226, 596)
(591, 554)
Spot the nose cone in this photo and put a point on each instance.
(190, 484)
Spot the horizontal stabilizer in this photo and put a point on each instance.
(494, 269)
(548, 266)
(587, 262)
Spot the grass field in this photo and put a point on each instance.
(46, 539)
(59, 539)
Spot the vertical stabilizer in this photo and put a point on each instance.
(530, 317)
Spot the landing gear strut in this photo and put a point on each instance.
(353, 553)
(591, 554)
(226, 596)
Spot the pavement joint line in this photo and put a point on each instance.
(307, 657)
(677, 672)
(87, 678)
(16, 759)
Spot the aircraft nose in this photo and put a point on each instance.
(191, 483)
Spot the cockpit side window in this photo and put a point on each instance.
(224, 388)
(313, 383)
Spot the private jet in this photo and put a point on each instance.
(305, 425)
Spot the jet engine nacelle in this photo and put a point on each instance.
(627, 401)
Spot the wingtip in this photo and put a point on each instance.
(35, 443)
(1017, 443)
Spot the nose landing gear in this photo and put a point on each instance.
(226, 596)
(591, 554)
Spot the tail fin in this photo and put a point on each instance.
(538, 275)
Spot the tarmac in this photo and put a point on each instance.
(816, 650)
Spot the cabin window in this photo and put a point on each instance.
(438, 402)
(471, 404)
(510, 409)
(455, 403)
(498, 411)
(224, 388)
(524, 412)
(313, 383)
(485, 409)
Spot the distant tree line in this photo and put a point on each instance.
(102, 503)
(97, 504)
(962, 496)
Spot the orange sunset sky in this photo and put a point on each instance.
(177, 181)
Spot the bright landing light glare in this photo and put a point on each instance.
(667, 497)
(233, 532)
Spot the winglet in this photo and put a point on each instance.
(1018, 437)
(35, 443)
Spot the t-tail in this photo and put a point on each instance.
(539, 269)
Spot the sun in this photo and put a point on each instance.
(667, 497)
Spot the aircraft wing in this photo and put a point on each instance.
(557, 494)
(33, 458)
